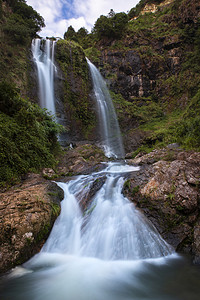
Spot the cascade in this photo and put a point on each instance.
(44, 59)
(108, 252)
(108, 123)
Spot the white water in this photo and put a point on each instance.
(113, 229)
(109, 127)
(108, 252)
(44, 59)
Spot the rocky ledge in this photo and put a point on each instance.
(167, 190)
(28, 212)
(29, 209)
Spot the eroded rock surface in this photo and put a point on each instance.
(28, 212)
(167, 190)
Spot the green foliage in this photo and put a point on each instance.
(28, 136)
(71, 59)
(148, 111)
(70, 34)
(82, 32)
(93, 54)
(23, 23)
(82, 37)
(187, 129)
(112, 26)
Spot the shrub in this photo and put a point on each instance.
(28, 136)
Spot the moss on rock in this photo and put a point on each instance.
(76, 87)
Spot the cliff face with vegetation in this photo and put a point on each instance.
(28, 142)
(153, 72)
(74, 89)
(151, 61)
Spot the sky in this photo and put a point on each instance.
(60, 14)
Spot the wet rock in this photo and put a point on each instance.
(169, 195)
(96, 186)
(28, 212)
(82, 159)
(48, 173)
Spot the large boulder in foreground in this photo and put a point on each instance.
(167, 190)
(28, 212)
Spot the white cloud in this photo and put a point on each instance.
(59, 14)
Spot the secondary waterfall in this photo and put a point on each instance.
(109, 127)
(43, 54)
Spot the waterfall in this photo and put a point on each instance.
(109, 127)
(44, 59)
(108, 252)
(111, 229)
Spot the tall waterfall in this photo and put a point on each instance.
(44, 59)
(109, 126)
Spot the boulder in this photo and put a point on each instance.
(28, 212)
(168, 194)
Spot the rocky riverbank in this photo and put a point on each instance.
(29, 209)
(165, 189)
(28, 212)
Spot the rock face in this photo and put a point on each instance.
(167, 190)
(148, 67)
(82, 159)
(28, 212)
(74, 90)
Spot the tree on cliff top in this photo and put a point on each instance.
(23, 23)
(111, 26)
(70, 34)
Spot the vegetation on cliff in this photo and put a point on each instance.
(28, 136)
(76, 87)
(19, 23)
(152, 68)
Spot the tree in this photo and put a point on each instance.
(70, 34)
(23, 23)
(119, 23)
(102, 27)
(82, 32)
(111, 26)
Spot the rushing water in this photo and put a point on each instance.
(108, 123)
(108, 252)
(43, 54)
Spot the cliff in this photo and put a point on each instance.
(153, 72)
(74, 90)
(151, 65)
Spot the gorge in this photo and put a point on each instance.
(124, 212)
(101, 251)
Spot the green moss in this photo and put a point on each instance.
(93, 54)
(71, 59)
(55, 209)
